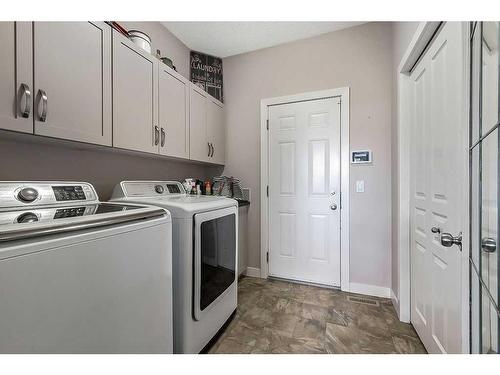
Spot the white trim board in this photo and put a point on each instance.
(343, 93)
(395, 303)
(370, 290)
(252, 272)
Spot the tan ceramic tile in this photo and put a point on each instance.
(280, 317)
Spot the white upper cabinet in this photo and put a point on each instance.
(206, 127)
(199, 147)
(173, 99)
(216, 131)
(72, 70)
(82, 81)
(135, 97)
(16, 76)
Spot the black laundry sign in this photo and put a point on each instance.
(206, 72)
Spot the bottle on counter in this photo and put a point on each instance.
(208, 188)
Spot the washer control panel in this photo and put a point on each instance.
(68, 193)
(35, 193)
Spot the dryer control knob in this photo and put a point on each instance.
(159, 189)
(27, 194)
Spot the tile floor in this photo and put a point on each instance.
(280, 317)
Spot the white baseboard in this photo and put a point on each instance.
(252, 272)
(395, 303)
(370, 290)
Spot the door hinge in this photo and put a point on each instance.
(267, 257)
(267, 124)
(267, 191)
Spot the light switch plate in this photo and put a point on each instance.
(360, 186)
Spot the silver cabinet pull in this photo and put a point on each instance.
(209, 149)
(489, 245)
(43, 95)
(213, 150)
(162, 143)
(26, 92)
(157, 135)
(333, 207)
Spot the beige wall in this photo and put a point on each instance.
(166, 42)
(359, 57)
(29, 158)
(402, 35)
(25, 157)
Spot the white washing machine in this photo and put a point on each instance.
(81, 276)
(205, 248)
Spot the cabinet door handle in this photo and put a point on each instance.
(209, 149)
(157, 135)
(26, 92)
(44, 99)
(162, 137)
(213, 150)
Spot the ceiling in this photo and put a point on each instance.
(225, 39)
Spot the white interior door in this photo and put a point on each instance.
(304, 191)
(438, 178)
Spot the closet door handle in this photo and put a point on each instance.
(162, 137)
(26, 92)
(213, 150)
(209, 149)
(157, 135)
(44, 99)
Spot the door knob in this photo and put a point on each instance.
(333, 207)
(489, 245)
(447, 240)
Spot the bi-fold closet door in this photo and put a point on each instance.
(437, 191)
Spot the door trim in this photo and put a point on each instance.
(343, 93)
(402, 301)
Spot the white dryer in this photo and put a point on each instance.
(81, 276)
(205, 248)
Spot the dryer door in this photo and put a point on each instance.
(215, 257)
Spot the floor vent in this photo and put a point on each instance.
(364, 301)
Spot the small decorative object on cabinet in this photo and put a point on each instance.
(206, 73)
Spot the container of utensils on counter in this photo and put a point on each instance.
(230, 187)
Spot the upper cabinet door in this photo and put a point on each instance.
(16, 76)
(173, 94)
(72, 69)
(216, 131)
(135, 97)
(199, 146)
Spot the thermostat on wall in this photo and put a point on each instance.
(361, 157)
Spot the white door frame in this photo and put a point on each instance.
(343, 93)
(423, 35)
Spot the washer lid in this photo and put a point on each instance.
(41, 221)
